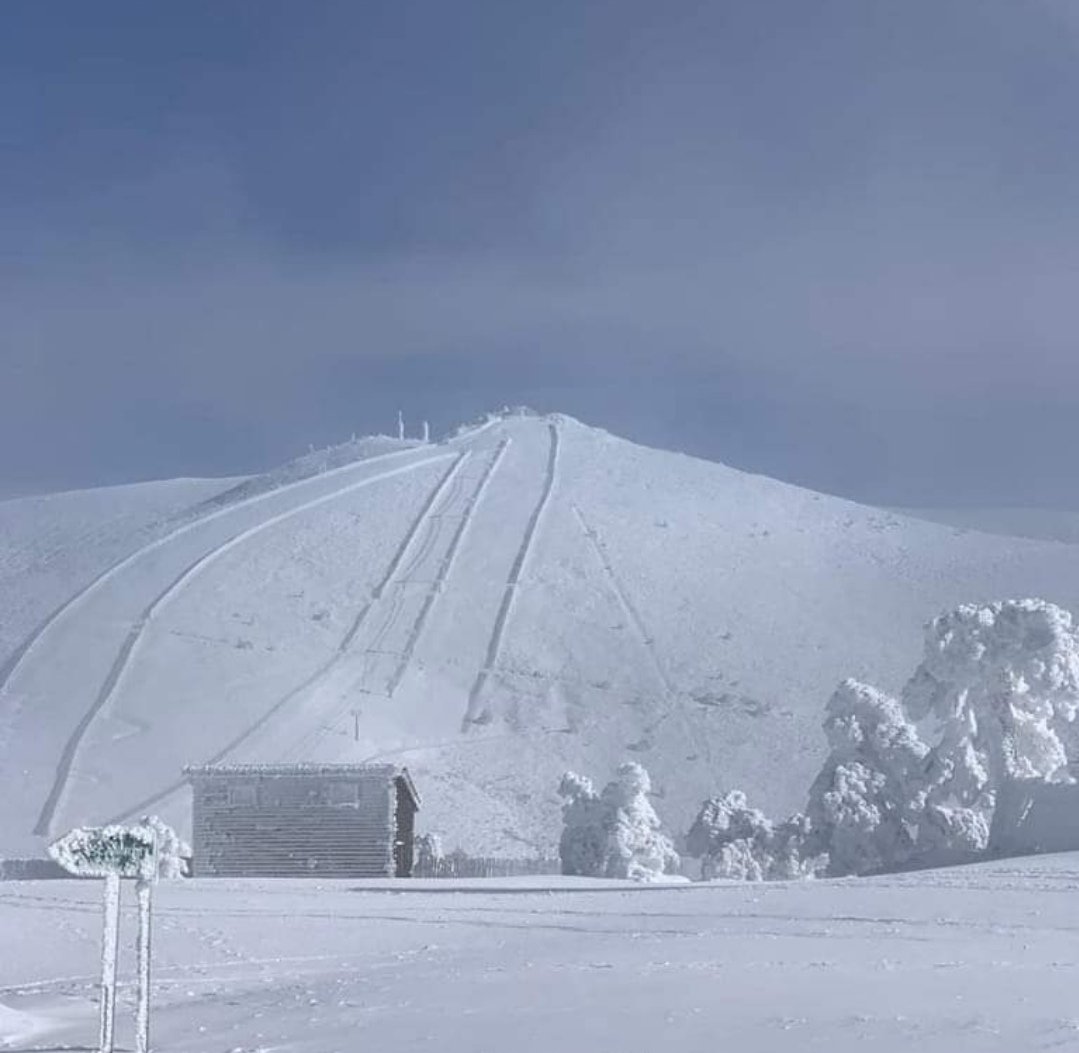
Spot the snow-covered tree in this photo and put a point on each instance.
(1002, 681)
(616, 833)
(583, 843)
(637, 846)
(429, 854)
(741, 843)
(867, 801)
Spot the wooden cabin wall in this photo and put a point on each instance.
(294, 826)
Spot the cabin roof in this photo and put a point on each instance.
(367, 771)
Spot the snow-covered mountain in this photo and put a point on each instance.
(527, 596)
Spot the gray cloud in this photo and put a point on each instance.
(837, 249)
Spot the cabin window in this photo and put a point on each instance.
(243, 796)
(341, 794)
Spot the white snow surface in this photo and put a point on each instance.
(977, 959)
(529, 597)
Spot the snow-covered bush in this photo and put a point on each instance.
(583, 843)
(173, 853)
(429, 854)
(866, 803)
(740, 843)
(1002, 681)
(637, 846)
(616, 833)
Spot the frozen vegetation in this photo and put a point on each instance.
(616, 833)
(999, 685)
(741, 843)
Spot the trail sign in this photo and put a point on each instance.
(143, 852)
(125, 851)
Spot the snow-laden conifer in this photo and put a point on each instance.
(616, 833)
(1002, 682)
(866, 803)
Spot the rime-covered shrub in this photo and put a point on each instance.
(737, 842)
(637, 847)
(616, 833)
(173, 852)
(429, 854)
(866, 803)
(1002, 681)
(948, 834)
(582, 847)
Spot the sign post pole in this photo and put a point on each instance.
(144, 852)
(109, 942)
(144, 891)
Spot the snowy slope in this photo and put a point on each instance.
(972, 960)
(527, 596)
(53, 545)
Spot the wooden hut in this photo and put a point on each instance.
(302, 820)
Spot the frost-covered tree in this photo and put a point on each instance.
(741, 843)
(637, 846)
(583, 843)
(1002, 681)
(616, 833)
(429, 854)
(866, 803)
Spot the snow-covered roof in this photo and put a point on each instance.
(386, 771)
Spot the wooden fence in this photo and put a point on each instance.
(459, 865)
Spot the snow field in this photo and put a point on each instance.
(977, 959)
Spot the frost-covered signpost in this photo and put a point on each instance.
(143, 852)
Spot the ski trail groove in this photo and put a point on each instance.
(450, 482)
(23, 651)
(315, 735)
(494, 645)
(398, 556)
(318, 733)
(628, 607)
(445, 567)
(121, 663)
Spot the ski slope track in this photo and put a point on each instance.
(113, 680)
(392, 641)
(648, 644)
(526, 597)
(473, 714)
(38, 656)
(290, 719)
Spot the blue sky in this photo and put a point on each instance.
(834, 242)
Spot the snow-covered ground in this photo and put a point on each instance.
(529, 596)
(978, 959)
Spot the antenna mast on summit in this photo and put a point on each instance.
(400, 425)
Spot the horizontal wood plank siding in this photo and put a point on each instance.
(318, 822)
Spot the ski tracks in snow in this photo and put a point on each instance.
(381, 682)
(473, 714)
(122, 661)
(449, 480)
(633, 616)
